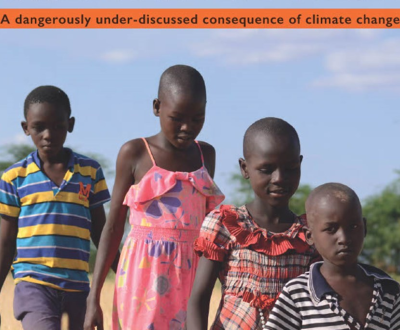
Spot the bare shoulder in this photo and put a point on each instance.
(209, 156)
(207, 149)
(132, 150)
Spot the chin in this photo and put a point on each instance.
(182, 144)
(281, 202)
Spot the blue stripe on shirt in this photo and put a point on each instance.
(52, 240)
(55, 218)
(52, 252)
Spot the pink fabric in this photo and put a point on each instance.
(158, 263)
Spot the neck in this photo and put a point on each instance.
(163, 142)
(329, 270)
(267, 214)
(60, 157)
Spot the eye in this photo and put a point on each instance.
(354, 226)
(293, 167)
(175, 119)
(38, 128)
(266, 170)
(330, 229)
(198, 120)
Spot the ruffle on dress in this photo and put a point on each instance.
(274, 245)
(158, 181)
(258, 300)
(209, 249)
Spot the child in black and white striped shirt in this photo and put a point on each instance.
(337, 293)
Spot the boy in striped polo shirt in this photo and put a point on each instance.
(51, 204)
(337, 293)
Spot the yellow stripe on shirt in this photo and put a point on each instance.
(20, 172)
(100, 186)
(40, 197)
(51, 285)
(57, 263)
(48, 196)
(86, 171)
(52, 229)
(9, 210)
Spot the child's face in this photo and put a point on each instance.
(181, 117)
(273, 167)
(337, 229)
(48, 126)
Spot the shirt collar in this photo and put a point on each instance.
(71, 160)
(319, 287)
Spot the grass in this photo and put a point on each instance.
(8, 322)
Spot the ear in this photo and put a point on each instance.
(308, 234)
(156, 107)
(301, 158)
(71, 124)
(24, 126)
(365, 226)
(243, 168)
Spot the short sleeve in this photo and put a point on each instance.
(285, 314)
(214, 242)
(100, 194)
(9, 200)
(395, 319)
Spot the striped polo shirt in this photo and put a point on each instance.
(308, 302)
(54, 223)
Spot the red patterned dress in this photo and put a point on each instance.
(256, 264)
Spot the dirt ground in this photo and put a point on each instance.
(8, 321)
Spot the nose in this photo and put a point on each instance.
(278, 176)
(48, 134)
(344, 237)
(186, 126)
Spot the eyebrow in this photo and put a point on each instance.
(177, 113)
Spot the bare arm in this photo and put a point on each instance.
(199, 302)
(110, 238)
(8, 242)
(209, 157)
(98, 220)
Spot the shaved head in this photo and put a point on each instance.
(182, 79)
(329, 193)
(271, 126)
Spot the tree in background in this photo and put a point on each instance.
(382, 211)
(244, 194)
(14, 152)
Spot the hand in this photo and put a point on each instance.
(94, 316)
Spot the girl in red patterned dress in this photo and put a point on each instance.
(256, 248)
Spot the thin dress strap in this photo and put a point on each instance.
(201, 153)
(149, 151)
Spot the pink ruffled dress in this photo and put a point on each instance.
(158, 263)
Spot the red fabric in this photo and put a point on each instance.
(255, 240)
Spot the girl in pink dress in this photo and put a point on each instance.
(166, 181)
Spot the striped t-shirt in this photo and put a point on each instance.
(308, 302)
(54, 223)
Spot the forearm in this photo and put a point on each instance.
(106, 255)
(199, 302)
(7, 252)
(198, 309)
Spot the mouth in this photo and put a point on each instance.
(345, 251)
(185, 137)
(49, 147)
(282, 192)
